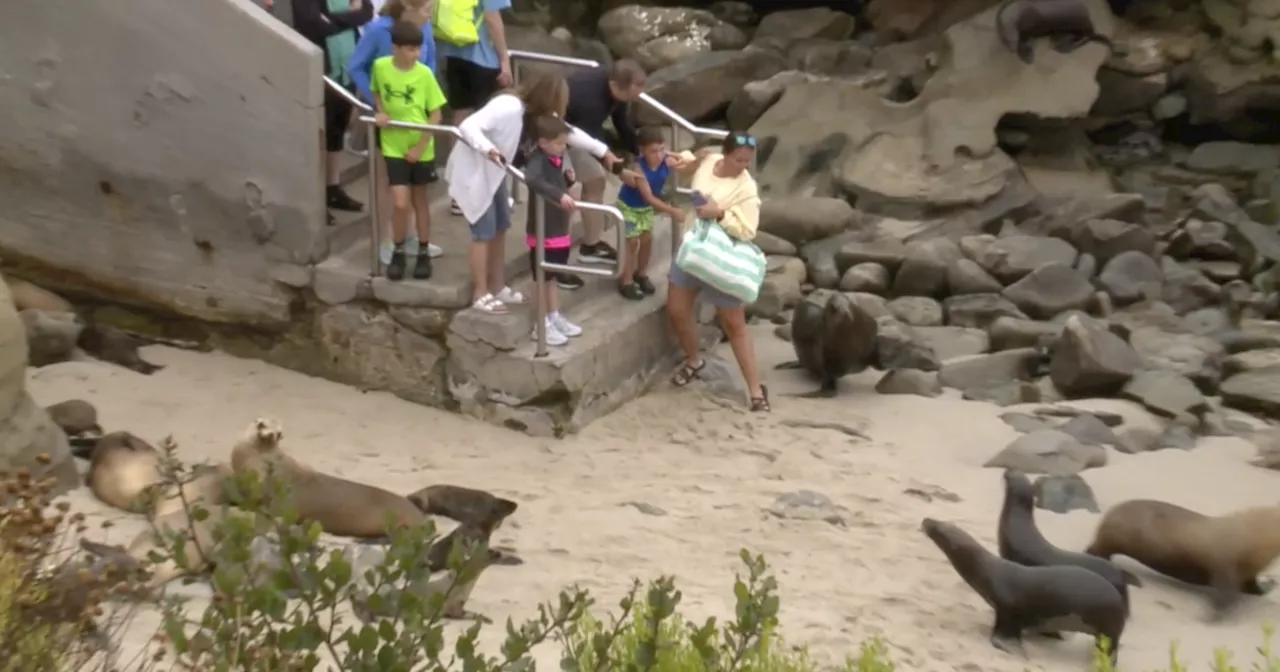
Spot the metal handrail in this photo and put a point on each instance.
(540, 233)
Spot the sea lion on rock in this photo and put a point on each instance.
(1225, 552)
(77, 418)
(1045, 599)
(110, 344)
(344, 508)
(831, 340)
(1021, 542)
(1065, 22)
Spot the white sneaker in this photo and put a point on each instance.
(564, 326)
(454, 209)
(511, 203)
(434, 250)
(554, 337)
(510, 296)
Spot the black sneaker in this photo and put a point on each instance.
(569, 282)
(422, 266)
(395, 269)
(339, 199)
(600, 253)
(645, 285)
(631, 291)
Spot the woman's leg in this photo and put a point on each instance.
(734, 323)
(680, 302)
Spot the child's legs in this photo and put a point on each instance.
(643, 254)
(550, 289)
(398, 176)
(627, 276)
(497, 246)
(422, 216)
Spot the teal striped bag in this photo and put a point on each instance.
(733, 267)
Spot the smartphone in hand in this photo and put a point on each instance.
(698, 199)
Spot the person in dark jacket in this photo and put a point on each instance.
(595, 96)
(334, 31)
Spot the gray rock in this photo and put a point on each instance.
(924, 270)
(1049, 290)
(899, 346)
(1134, 439)
(951, 342)
(800, 220)
(1201, 240)
(967, 277)
(1179, 437)
(988, 371)
(917, 311)
(867, 277)
(807, 505)
(1253, 243)
(1166, 394)
(1090, 361)
(1107, 238)
(1256, 391)
(978, 311)
(1186, 288)
(1131, 277)
(875, 306)
(1089, 430)
(887, 253)
(1024, 423)
(781, 287)
(772, 245)
(1196, 357)
(1250, 360)
(1218, 271)
(1064, 494)
(910, 381)
(51, 335)
(820, 259)
(1206, 322)
(1010, 393)
(1008, 333)
(1011, 258)
(1048, 451)
(1086, 266)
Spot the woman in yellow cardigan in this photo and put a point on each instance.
(733, 201)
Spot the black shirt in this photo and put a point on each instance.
(313, 20)
(591, 103)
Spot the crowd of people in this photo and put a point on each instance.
(389, 55)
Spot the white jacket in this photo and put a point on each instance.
(474, 179)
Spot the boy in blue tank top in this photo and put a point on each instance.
(639, 202)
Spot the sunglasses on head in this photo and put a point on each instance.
(744, 140)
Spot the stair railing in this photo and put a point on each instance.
(539, 213)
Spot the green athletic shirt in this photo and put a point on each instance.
(407, 96)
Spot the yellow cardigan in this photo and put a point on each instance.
(739, 196)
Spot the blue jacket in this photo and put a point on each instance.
(375, 42)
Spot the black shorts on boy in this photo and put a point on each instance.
(401, 173)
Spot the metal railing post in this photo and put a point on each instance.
(375, 226)
(540, 271)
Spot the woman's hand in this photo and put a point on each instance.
(496, 157)
(710, 211)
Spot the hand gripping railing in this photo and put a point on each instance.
(540, 229)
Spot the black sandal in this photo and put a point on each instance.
(760, 404)
(687, 373)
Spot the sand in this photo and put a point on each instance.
(712, 470)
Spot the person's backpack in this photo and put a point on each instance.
(457, 22)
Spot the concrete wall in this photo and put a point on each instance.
(162, 152)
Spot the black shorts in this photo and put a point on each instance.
(558, 255)
(337, 115)
(468, 86)
(401, 173)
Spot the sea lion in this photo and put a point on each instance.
(344, 508)
(1224, 552)
(51, 335)
(1045, 599)
(123, 470)
(831, 340)
(1065, 22)
(469, 507)
(77, 418)
(28, 296)
(1021, 542)
(110, 344)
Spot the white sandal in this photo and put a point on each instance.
(490, 304)
(508, 295)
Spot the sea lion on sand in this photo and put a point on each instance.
(1065, 22)
(342, 507)
(28, 296)
(77, 418)
(1021, 542)
(1225, 552)
(1050, 599)
(110, 344)
(123, 470)
(469, 507)
(831, 340)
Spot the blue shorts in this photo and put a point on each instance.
(496, 220)
(708, 293)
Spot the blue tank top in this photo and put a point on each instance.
(657, 179)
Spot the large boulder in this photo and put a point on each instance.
(26, 431)
(1090, 361)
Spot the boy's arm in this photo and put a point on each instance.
(539, 178)
(435, 102)
(652, 199)
(498, 34)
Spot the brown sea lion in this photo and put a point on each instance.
(1043, 599)
(469, 507)
(123, 470)
(342, 507)
(1224, 552)
(1066, 22)
(110, 344)
(1021, 542)
(28, 296)
(76, 417)
(831, 340)
(51, 335)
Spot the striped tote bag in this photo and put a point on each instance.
(731, 266)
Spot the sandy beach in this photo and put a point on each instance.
(677, 482)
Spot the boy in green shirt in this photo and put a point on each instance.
(406, 91)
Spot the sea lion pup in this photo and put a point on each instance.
(1066, 22)
(1225, 553)
(123, 470)
(344, 508)
(1052, 599)
(110, 344)
(831, 340)
(469, 507)
(77, 418)
(1021, 542)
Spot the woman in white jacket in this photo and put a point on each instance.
(476, 175)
